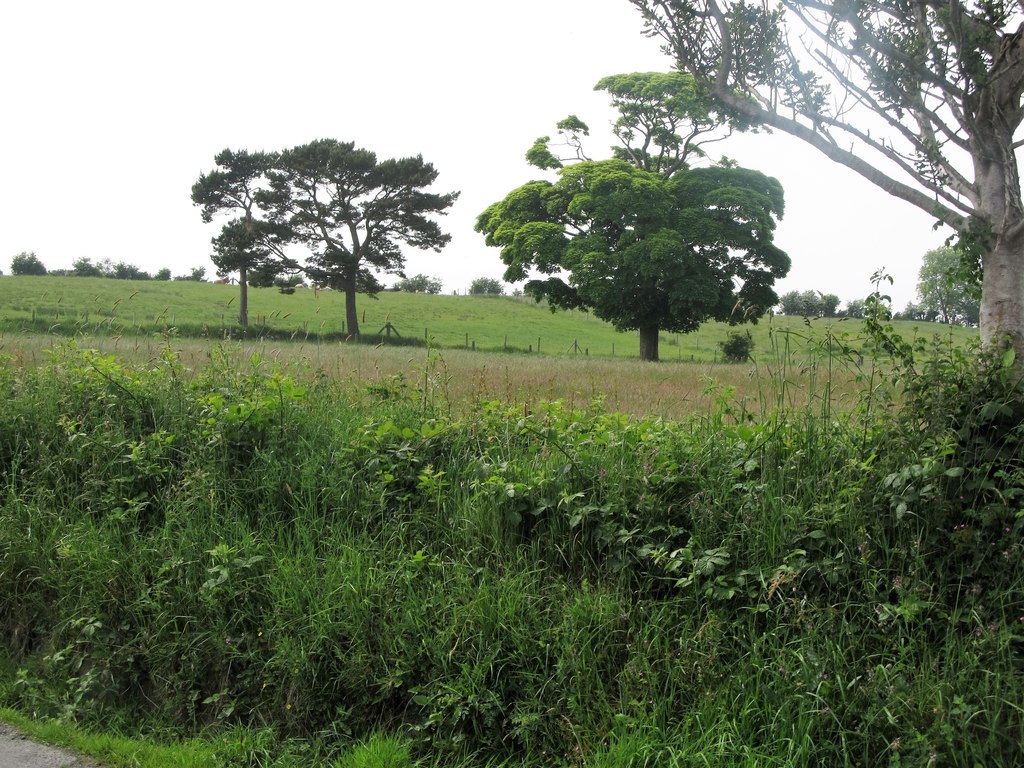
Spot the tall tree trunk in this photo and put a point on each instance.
(1001, 211)
(351, 316)
(649, 343)
(243, 297)
(1002, 293)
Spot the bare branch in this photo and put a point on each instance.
(723, 90)
(918, 139)
(866, 39)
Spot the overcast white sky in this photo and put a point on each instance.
(112, 109)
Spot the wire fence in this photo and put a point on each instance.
(54, 321)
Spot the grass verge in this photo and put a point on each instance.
(312, 574)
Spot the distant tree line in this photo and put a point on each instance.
(419, 284)
(481, 286)
(948, 291)
(486, 286)
(28, 263)
(809, 304)
(818, 304)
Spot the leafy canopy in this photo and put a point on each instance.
(419, 284)
(664, 123)
(641, 250)
(644, 240)
(486, 286)
(947, 292)
(248, 242)
(353, 213)
(809, 304)
(27, 263)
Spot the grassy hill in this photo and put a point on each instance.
(72, 305)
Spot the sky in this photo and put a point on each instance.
(111, 110)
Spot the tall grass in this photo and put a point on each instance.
(462, 379)
(378, 574)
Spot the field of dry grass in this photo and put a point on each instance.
(460, 379)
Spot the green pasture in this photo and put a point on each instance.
(97, 306)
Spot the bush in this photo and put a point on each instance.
(737, 347)
(486, 286)
(271, 276)
(960, 443)
(809, 304)
(197, 275)
(84, 267)
(234, 547)
(419, 284)
(855, 308)
(124, 271)
(27, 263)
(287, 284)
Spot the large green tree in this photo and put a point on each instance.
(354, 212)
(664, 123)
(642, 251)
(248, 241)
(945, 293)
(922, 98)
(644, 240)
